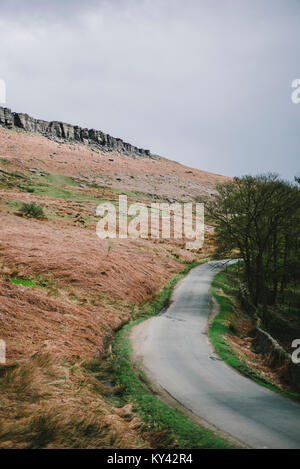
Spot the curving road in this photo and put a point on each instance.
(177, 354)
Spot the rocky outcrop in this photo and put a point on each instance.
(61, 131)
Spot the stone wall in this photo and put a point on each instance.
(61, 131)
(265, 344)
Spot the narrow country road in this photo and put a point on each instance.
(177, 354)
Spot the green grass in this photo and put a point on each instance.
(68, 193)
(5, 161)
(25, 282)
(58, 186)
(225, 290)
(51, 185)
(62, 193)
(178, 430)
(11, 179)
(36, 282)
(32, 210)
(59, 180)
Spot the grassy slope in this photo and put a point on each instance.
(44, 422)
(225, 290)
(176, 429)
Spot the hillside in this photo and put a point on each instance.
(64, 292)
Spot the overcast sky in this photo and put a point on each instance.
(203, 82)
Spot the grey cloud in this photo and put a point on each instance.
(207, 83)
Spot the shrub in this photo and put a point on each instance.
(32, 210)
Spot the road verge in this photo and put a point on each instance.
(221, 328)
(176, 429)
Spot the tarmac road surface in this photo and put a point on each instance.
(176, 353)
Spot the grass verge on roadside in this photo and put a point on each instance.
(174, 429)
(225, 290)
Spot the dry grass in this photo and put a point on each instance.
(157, 177)
(76, 291)
(49, 404)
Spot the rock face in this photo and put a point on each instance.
(60, 131)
